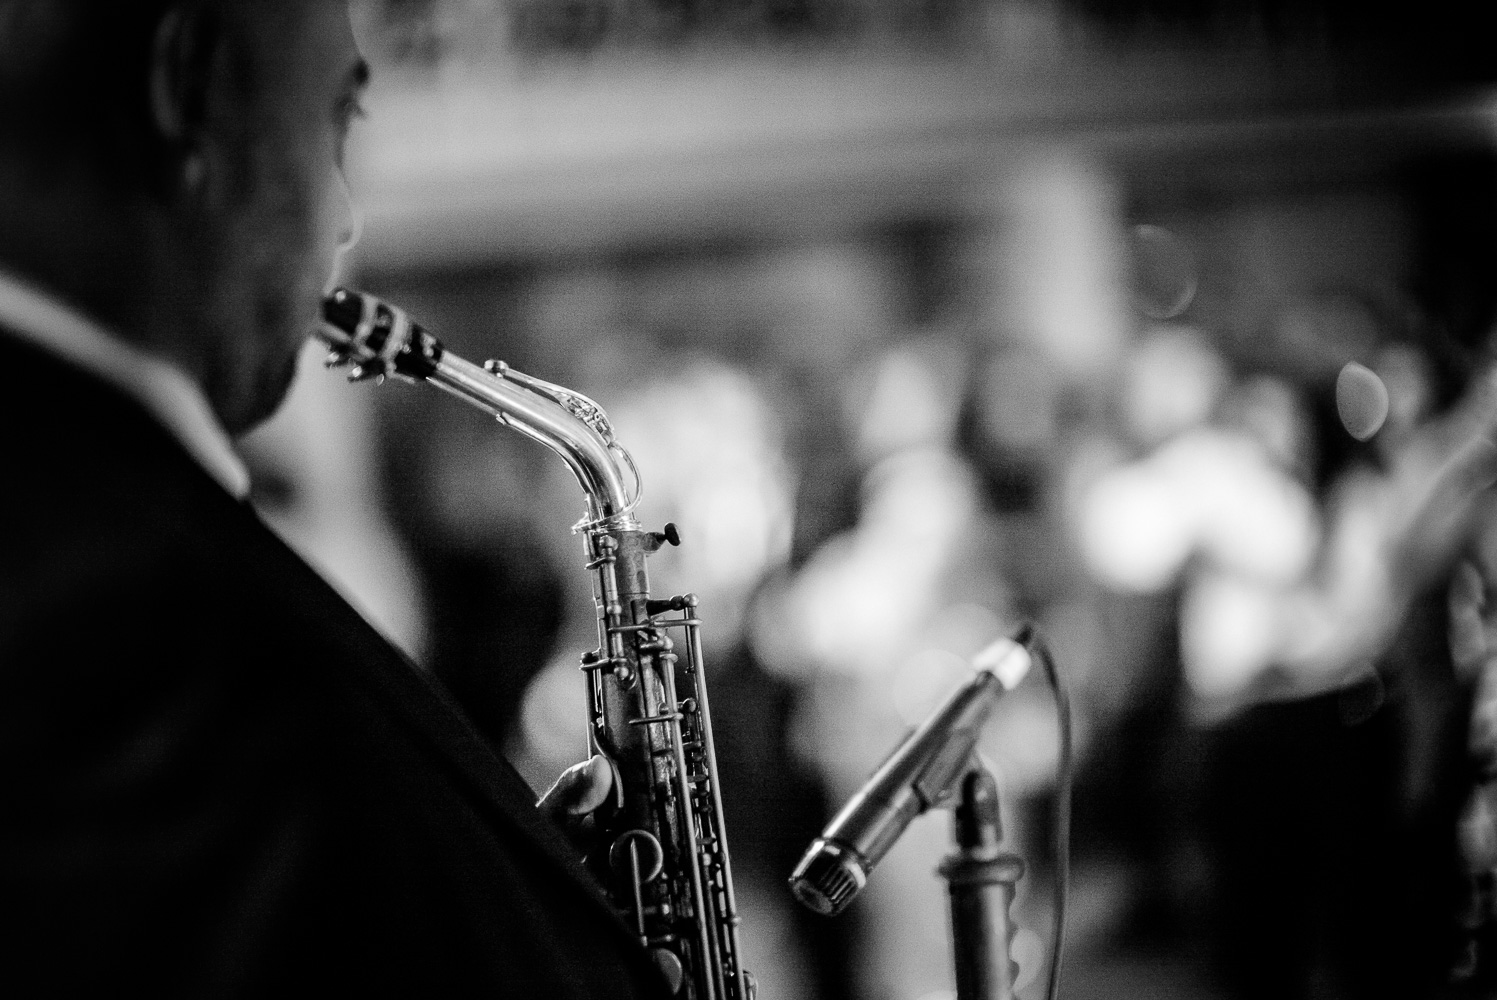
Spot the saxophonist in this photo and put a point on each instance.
(217, 779)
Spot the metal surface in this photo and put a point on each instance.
(664, 854)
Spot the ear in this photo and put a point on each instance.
(183, 50)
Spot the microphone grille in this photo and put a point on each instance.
(827, 878)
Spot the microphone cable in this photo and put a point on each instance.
(1060, 833)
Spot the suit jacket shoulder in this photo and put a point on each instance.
(223, 780)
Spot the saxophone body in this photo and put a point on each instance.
(664, 854)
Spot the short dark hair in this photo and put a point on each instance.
(74, 84)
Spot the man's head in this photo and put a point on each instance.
(173, 167)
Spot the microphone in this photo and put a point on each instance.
(920, 774)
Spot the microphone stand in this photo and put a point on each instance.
(981, 879)
(935, 765)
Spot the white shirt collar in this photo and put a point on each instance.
(160, 386)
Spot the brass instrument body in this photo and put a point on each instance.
(662, 746)
(664, 859)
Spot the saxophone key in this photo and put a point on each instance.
(661, 644)
(647, 720)
(595, 660)
(637, 851)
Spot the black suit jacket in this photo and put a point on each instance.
(216, 778)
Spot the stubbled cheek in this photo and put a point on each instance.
(296, 250)
(284, 224)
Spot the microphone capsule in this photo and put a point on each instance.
(1008, 658)
(828, 877)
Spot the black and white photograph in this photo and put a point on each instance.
(748, 499)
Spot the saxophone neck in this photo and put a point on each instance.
(569, 424)
(377, 339)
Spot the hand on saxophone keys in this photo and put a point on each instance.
(579, 792)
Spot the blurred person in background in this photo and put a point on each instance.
(220, 780)
(1311, 527)
(1339, 751)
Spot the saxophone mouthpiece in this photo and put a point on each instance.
(377, 337)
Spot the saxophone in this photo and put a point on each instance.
(664, 855)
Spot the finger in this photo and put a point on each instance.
(593, 785)
(580, 789)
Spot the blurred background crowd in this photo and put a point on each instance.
(923, 318)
